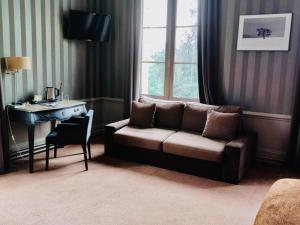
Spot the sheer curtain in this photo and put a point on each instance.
(208, 50)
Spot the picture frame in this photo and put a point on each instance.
(265, 32)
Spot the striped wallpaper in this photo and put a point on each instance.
(35, 28)
(258, 81)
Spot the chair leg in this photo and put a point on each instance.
(55, 151)
(47, 156)
(85, 156)
(89, 149)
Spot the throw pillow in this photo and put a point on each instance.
(169, 115)
(142, 115)
(221, 125)
(194, 118)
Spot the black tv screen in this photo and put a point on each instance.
(88, 26)
(101, 28)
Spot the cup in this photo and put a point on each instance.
(37, 98)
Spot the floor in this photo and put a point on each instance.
(115, 192)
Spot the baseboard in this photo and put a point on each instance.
(270, 156)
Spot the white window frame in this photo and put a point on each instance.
(170, 53)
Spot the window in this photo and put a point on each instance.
(169, 49)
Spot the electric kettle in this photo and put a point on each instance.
(51, 93)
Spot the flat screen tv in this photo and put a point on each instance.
(88, 26)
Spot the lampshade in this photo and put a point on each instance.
(17, 63)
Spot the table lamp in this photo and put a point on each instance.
(15, 64)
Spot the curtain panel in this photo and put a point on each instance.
(208, 50)
(132, 41)
(293, 155)
(119, 71)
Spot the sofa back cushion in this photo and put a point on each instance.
(194, 117)
(142, 114)
(229, 109)
(145, 99)
(221, 126)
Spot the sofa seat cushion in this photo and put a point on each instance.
(147, 138)
(194, 146)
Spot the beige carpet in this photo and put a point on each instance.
(115, 192)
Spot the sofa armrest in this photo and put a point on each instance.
(109, 131)
(117, 125)
(239, 154)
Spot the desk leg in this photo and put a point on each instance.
(31, 146)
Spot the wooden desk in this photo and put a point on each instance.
(30, 115)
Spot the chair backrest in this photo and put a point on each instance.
(88, 121)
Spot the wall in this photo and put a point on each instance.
(262, 82)
(35, 28)
(258, 81)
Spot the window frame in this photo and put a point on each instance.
(170, 48)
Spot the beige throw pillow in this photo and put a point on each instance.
(221, 125)
(142, 115)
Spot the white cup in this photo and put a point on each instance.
(37, 98)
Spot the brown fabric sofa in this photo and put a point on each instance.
(182, 150)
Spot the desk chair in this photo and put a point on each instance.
(76, 130)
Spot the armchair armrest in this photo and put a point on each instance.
(239, 154)
(109, 131)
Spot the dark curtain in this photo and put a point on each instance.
(293, 155)
(208, 50)
(132, 42)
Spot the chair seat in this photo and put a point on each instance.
(194, 146)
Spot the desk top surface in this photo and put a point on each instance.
(58, 105)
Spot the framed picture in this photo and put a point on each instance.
(266, 32)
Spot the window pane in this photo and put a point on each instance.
(186, 44)
(153, 78)
(155, 13)
(185, 84)
(154, 44)
(187, 12)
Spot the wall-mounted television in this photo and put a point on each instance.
(87, 26)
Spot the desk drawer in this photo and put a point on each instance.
(61, 114)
